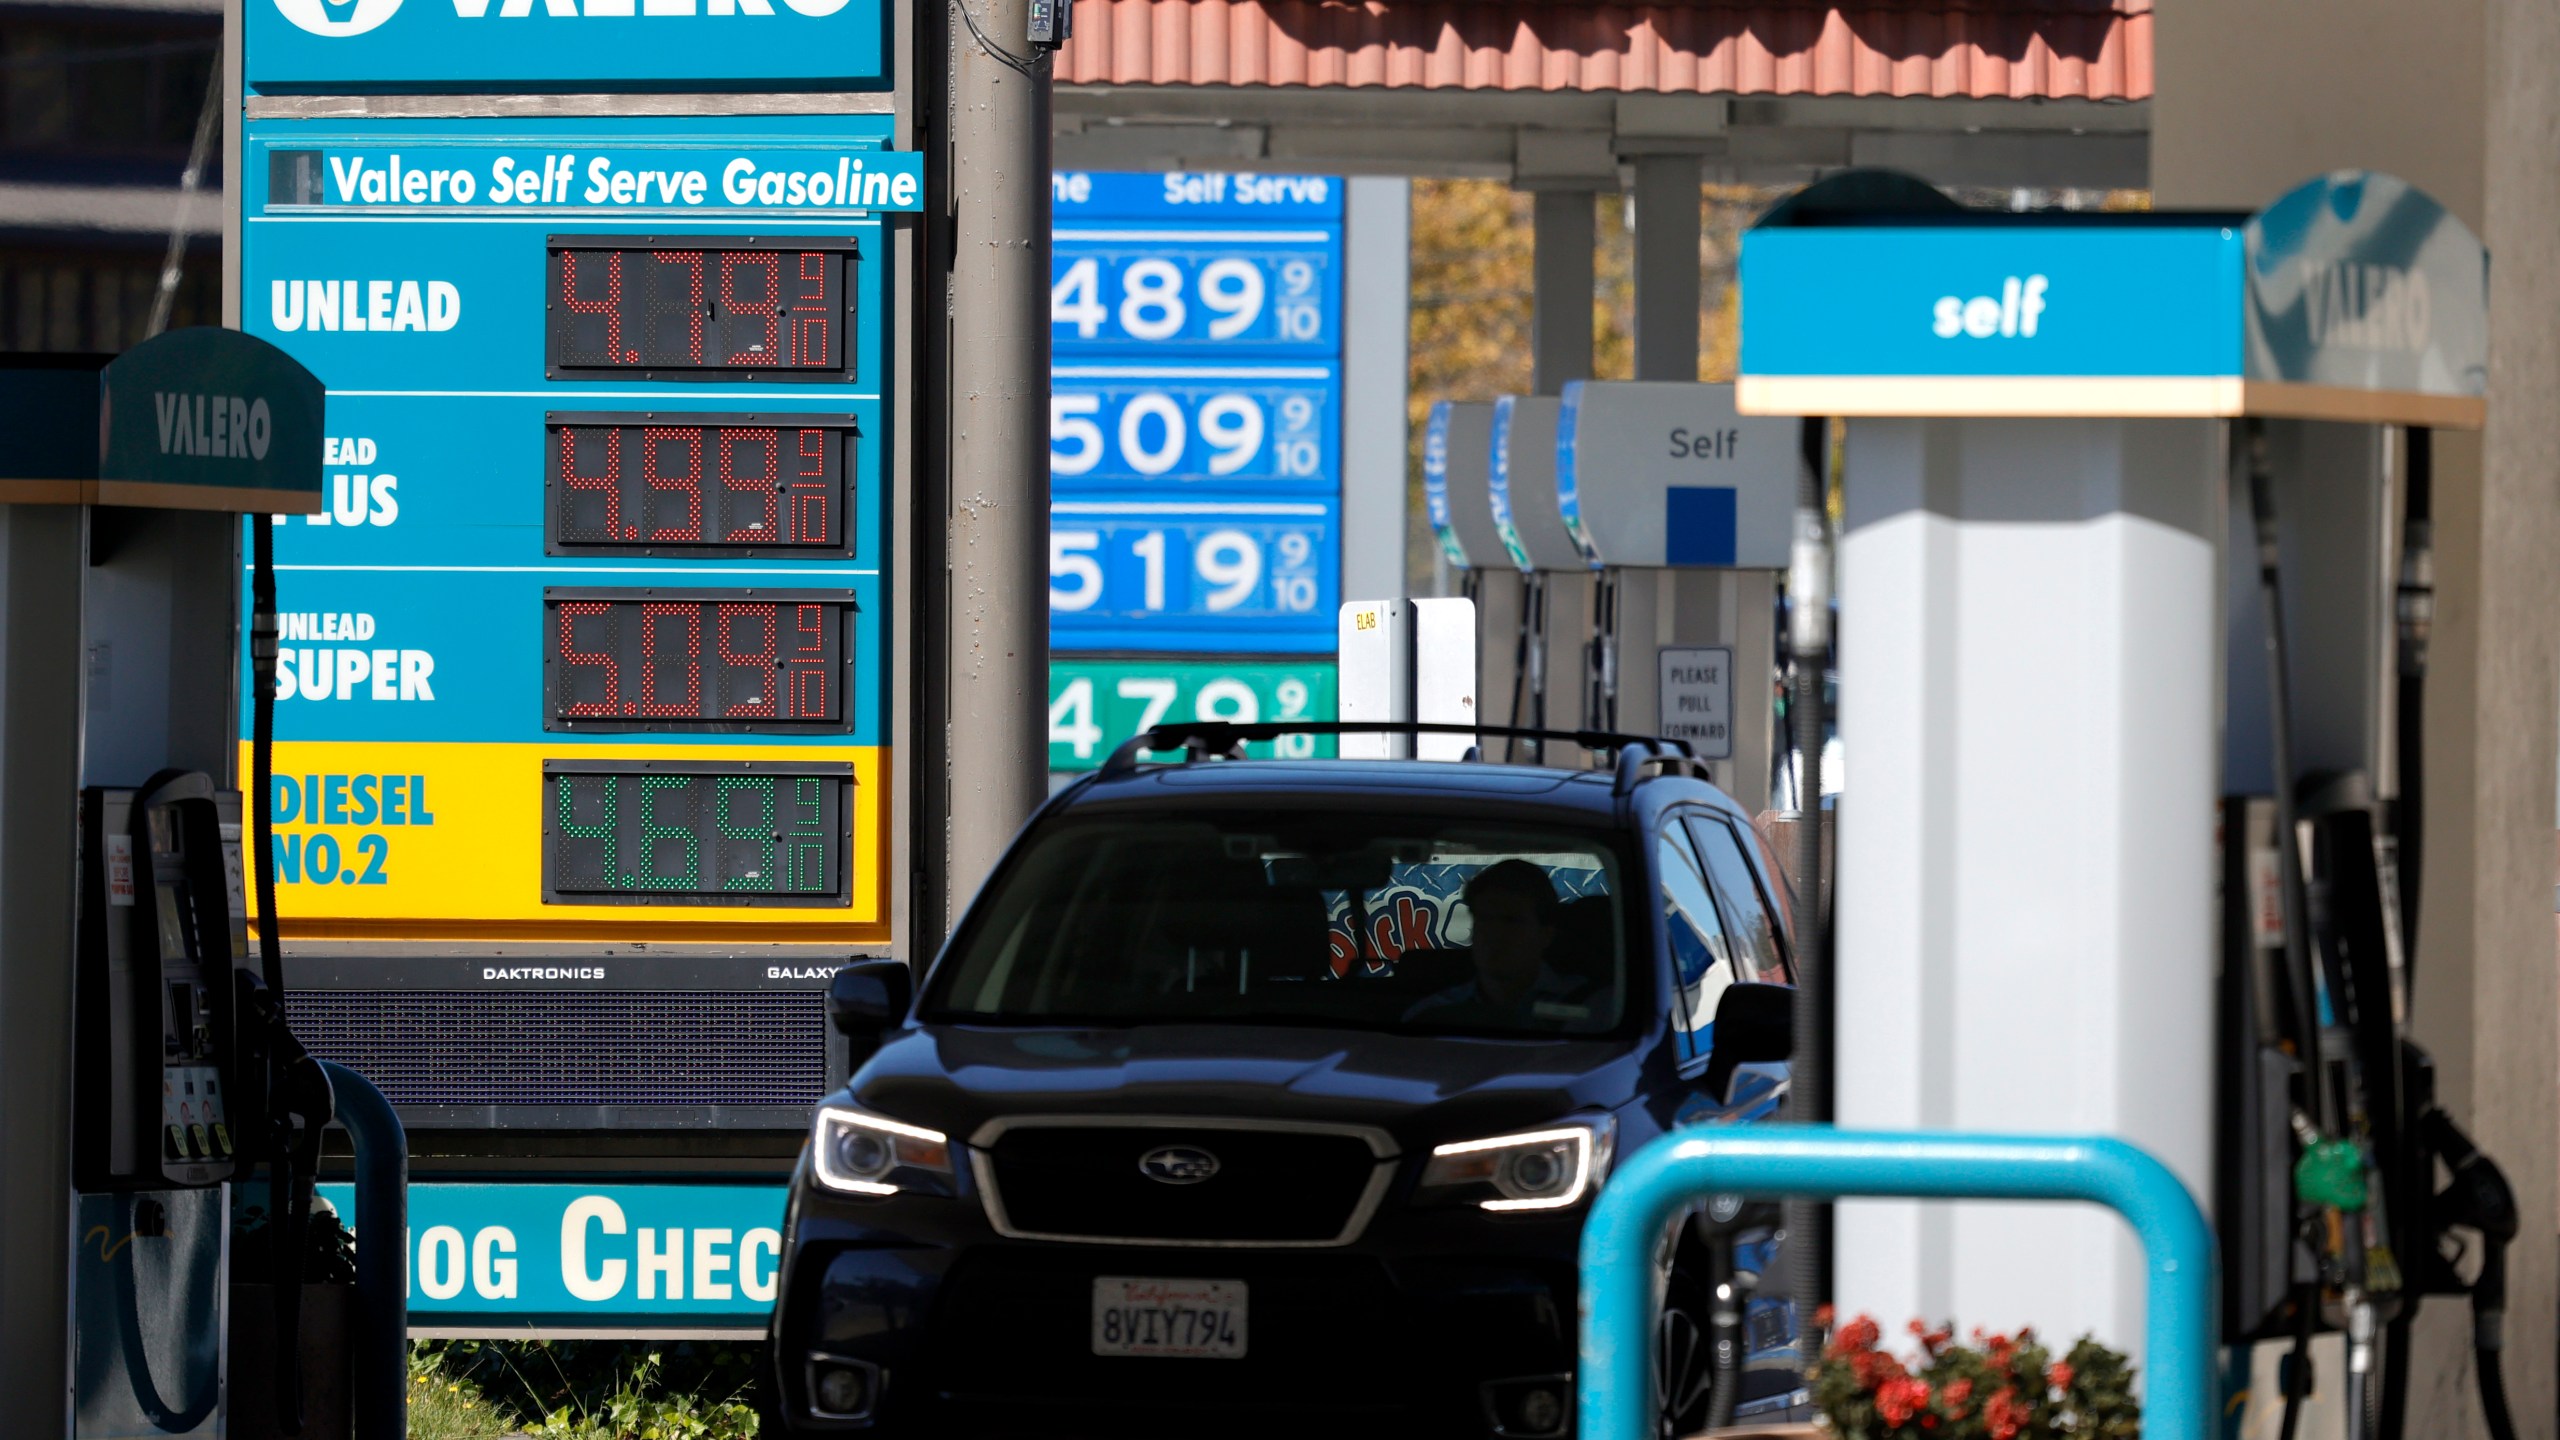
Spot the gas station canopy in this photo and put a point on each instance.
(1547, 95)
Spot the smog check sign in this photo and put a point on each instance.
(523, 1256)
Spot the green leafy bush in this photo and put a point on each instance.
(597, 1389)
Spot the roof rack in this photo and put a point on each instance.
(1226, 739)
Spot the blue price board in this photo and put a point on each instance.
(1114, 426)
(598, 586)
(1195, 416)
(1223, 291)
(1131, 574)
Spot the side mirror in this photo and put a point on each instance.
(1755, 1025)
(869, 996)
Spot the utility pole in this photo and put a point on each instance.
(995, 739)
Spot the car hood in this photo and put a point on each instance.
(1423, 1090)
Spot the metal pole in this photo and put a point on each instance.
(1562, 272)
(381, 1339)
(1808, 1219)
(998, 485)
(1668, 229)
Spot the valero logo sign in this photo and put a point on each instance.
(337, 17)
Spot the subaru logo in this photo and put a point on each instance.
(1178, 1164)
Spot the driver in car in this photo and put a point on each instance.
(1515, 910)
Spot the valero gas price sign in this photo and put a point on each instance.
(590, 637)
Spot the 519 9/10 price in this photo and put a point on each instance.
(1124, 569)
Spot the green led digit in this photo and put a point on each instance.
(761, 832)
(570, 828)
(804, 866)
(651, 832)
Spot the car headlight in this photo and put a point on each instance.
(1535, 1170)
(865, 1155)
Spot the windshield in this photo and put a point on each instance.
(1361, 921)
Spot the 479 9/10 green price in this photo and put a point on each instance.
(690, 833)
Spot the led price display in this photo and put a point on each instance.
(1117, 425)
(696, 307)
(674, 832)
(726, 660)
(1096, 704)
(1213, 291)
(682, 483)
(1135, 565)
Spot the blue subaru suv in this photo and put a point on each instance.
(1269, 1097)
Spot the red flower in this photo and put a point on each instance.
(1957, 1393)
(2058, 1375)
(1822, 1316)
(1859, 1334)
(1874, 1369)
(1899, 1400)
(1998, 1349)
(2002, 1416)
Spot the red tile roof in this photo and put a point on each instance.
(1976, 49)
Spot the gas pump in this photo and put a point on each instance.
(165, 961)
(1687, 508)
(2181, 463)
(1457, 475)
(145, 1031)
(1556, 577)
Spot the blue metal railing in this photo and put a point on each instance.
(1615, 1383)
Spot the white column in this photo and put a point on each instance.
(2029, 643)
(1376, 292)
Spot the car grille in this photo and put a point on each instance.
(1272, 1187)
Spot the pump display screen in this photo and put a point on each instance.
(775, 661)
(673, 832)
(699, 308)
(711, 485)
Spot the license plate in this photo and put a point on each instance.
(1181, 1319)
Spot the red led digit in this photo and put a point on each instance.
(688, 304)
(764, 528)
(652, 678)
(767, 268)
(610, 307)
(687, 484)
(608, 484)
(809, 327)
(811, 523)
(570, 654)
(808, 663)
(758, 662)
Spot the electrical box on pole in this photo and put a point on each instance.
(1408, 660)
